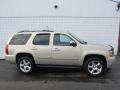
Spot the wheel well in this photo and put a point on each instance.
(94, 55)
(24, 54)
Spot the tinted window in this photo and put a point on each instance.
(41, 39)
(62, 40)
(20, 39)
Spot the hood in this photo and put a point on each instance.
(98, 46)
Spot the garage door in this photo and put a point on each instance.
(96, 30)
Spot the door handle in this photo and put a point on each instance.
(34, 48)
(56, 49)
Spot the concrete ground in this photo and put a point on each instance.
(58, 79)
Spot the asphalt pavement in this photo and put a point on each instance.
(58, 78)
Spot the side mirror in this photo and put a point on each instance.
(72, 43)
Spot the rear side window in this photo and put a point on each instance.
(19, 39)
(42, 39)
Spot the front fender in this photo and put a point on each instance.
(91, 52)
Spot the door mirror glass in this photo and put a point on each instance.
(72, 43)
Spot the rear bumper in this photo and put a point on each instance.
(10, 58)
(110, 60)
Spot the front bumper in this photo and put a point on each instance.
(10, 58)
(110, 60)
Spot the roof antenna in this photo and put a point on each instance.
(46, 27)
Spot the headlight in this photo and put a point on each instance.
(111, 51)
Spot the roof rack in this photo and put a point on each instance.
(47, 31)
(25, 31)
(37, 31)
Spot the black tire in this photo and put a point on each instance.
(31, 64)
(89, 69)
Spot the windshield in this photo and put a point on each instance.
(80, 41)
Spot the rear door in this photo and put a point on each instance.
(41, 48)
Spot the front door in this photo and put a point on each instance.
(62, 52)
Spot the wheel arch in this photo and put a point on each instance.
(95, 55)
(18, 55)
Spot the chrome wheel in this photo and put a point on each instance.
(25, 65)
(95, 67)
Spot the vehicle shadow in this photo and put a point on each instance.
(60, 74)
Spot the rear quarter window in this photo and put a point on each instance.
(19, 39)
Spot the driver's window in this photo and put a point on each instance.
(62, 40)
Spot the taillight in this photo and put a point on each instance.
(6, 49)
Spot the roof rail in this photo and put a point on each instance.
(47, 31)
(25, 31)
(37, 31)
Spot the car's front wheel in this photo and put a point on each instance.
(25, 65)
(94, 66)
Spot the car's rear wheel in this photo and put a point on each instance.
(94, 66)
(25, 64)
